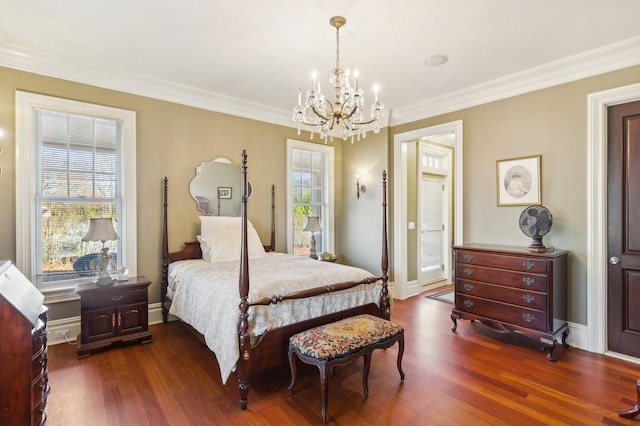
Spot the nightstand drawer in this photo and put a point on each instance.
(94, 300)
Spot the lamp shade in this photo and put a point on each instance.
(101, 229)
(313, 224)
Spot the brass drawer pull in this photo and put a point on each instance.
(529, 281)
(527, 264)
(468, 257)
(468, 271)
(528, 298)
(117, 298)
(468, 286)
(468, 303)
(528, 317)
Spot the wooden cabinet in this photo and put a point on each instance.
(114, 313)
(510, 289)
(24, 382)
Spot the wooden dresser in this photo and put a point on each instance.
(510, 289)
(24, 382)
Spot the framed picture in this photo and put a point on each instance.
(224, 192)
(518, 181)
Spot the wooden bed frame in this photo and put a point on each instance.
(271, 350)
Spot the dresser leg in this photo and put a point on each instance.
(635, 410)
(550, 355)
(454, 318)
(564, 338)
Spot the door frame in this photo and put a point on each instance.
(597, 265)
(400, 285)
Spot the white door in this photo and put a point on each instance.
(433, 233)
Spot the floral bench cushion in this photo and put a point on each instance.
(342, 338)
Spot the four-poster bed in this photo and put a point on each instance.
(275, 307)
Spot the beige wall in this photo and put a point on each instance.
(551, 123)
(360, 234)
(171, 141)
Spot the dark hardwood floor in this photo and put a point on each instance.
(470, 377)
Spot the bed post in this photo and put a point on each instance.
(243, 367)
(273, 218)
(165, 253)
(385, 305)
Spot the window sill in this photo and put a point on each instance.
(58, 295)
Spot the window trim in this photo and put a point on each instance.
(26, 231)
(329, 183)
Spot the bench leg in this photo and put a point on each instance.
(324, 389)
(365, 373)
(400, 353)
(292, 366)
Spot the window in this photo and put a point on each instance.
(76, 161)
(309, 193)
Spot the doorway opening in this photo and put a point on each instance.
(408, 174)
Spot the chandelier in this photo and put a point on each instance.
(322, 115)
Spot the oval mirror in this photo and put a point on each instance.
(216, 188)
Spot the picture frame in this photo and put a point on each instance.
(518, 181)
(224, 192)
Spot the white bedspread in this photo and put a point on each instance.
(205, 295)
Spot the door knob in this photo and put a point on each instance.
(614, 260)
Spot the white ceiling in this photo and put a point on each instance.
(249, 57)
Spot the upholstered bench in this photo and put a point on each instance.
(339, 343)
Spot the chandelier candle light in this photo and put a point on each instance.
(322, 115)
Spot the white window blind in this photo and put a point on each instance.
(78, 168)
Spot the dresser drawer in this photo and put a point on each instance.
(528, 281)
(39, 362)
(502, 261)
(94, 300)
(529, 318)
(526, 298)
(38, 391)
(38, 416)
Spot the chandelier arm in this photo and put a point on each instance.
(316, 112)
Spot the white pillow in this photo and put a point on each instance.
(220, 223)
(220, 239)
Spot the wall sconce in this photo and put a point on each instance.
(360, 189)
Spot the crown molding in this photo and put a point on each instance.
(609, 58)
(138, 84)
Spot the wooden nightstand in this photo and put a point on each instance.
(115, 313)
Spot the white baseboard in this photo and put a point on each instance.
(578, 336)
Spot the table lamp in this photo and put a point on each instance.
(101, 229)
(313, 226)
